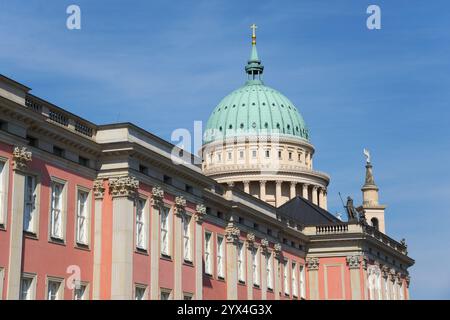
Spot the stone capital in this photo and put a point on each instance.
(312, 264)
(21, 158)
(232, 233)
(264, 244)
(125, 186)
(277, 249)
(353, 262)
(200, 212)
(278, 183)
(180, 204)
(251, 240)
(99, 189)
(157, 199)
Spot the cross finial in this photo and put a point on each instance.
(253, 27)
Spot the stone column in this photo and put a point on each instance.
(246, 186)
(353, 263)
(276, 270)
(305, 191)
(99, 192)
(21, 158)
(232, 236)
(292, 190)
(157, 202)
(314, 195)
(407, 281)
(278, 193)
(325, 200)
(264, 253)
(123, 191)
(250, 246)
(200, 212)
(312, 265)
(178, 258)
(385, 277)
(262, 190)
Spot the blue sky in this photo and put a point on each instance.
(164, 64)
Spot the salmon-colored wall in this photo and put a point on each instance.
(6, 152)
(335, 281)
(45, 258)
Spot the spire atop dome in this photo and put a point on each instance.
(254, 68)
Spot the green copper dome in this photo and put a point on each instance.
(255, 109)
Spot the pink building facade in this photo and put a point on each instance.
(102, 212)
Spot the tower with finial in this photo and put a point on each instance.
(254, 68)
(373, 210)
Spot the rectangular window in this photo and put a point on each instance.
(241, 154)
(230, 156)
(285, 277)
(82, 217)
(187, 237)
(241, 262)
(139, 292)
(290, 155)
(56, 218)
(26, 288)
(220, 257)
(54, 291)
(141, 225)
(294, 279)
(208, 253)
(255, 266)
(165, 226)
(269, 270)
(279, 155)
(165, 294)
(302, 282)
(80, 292)
(3, 192)
(267, 153)
(187, 296)
(29, 206)
(254, 154)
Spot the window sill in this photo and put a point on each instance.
(256, 286)
(165, 257)
(270, 289)
(241, 282)
(220, 278)
(209, 275)
(30, 235)
(58, 241)
(141, 251)
(188, 263)
(82, 246)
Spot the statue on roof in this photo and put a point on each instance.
(352, 213)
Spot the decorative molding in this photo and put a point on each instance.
(407, 279)
(354, 261)
(99, 189)
(232, 232)
(125, 186)
(312, 264)
(251, 240)
(180, 204)
(277, 250)
(385, 271)
(392, 275)
(264, 244)
(21, 157)
(157, 199)
(200, 212)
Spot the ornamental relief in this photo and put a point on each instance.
(99, 189)
(157, 199)
(353, 262)
(200, 212)
(125, 186)
(21, 157)
(180, 204)
(312, 263)
(232, 232)
(251, 240)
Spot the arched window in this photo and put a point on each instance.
(374, 222)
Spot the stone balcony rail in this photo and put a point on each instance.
(60, 117)
(343, 228)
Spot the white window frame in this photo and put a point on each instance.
(141, 220)
(255, 266)
(57, 210)
(386, 289)
(294, 279)
(164, 291)
(241, 262)
(83, 217)
(85, 293)
(302, 282)
(269, 270)
(220, 257)
(143, 289)
(59, 294)
(187, 236)
(189, 295)
(285, 277)
(165, 229)
(208, 253)
(30, 206)
(31, 294)
(4, 175)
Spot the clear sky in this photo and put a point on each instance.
(164, 64)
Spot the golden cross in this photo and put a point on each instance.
(253, 27)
